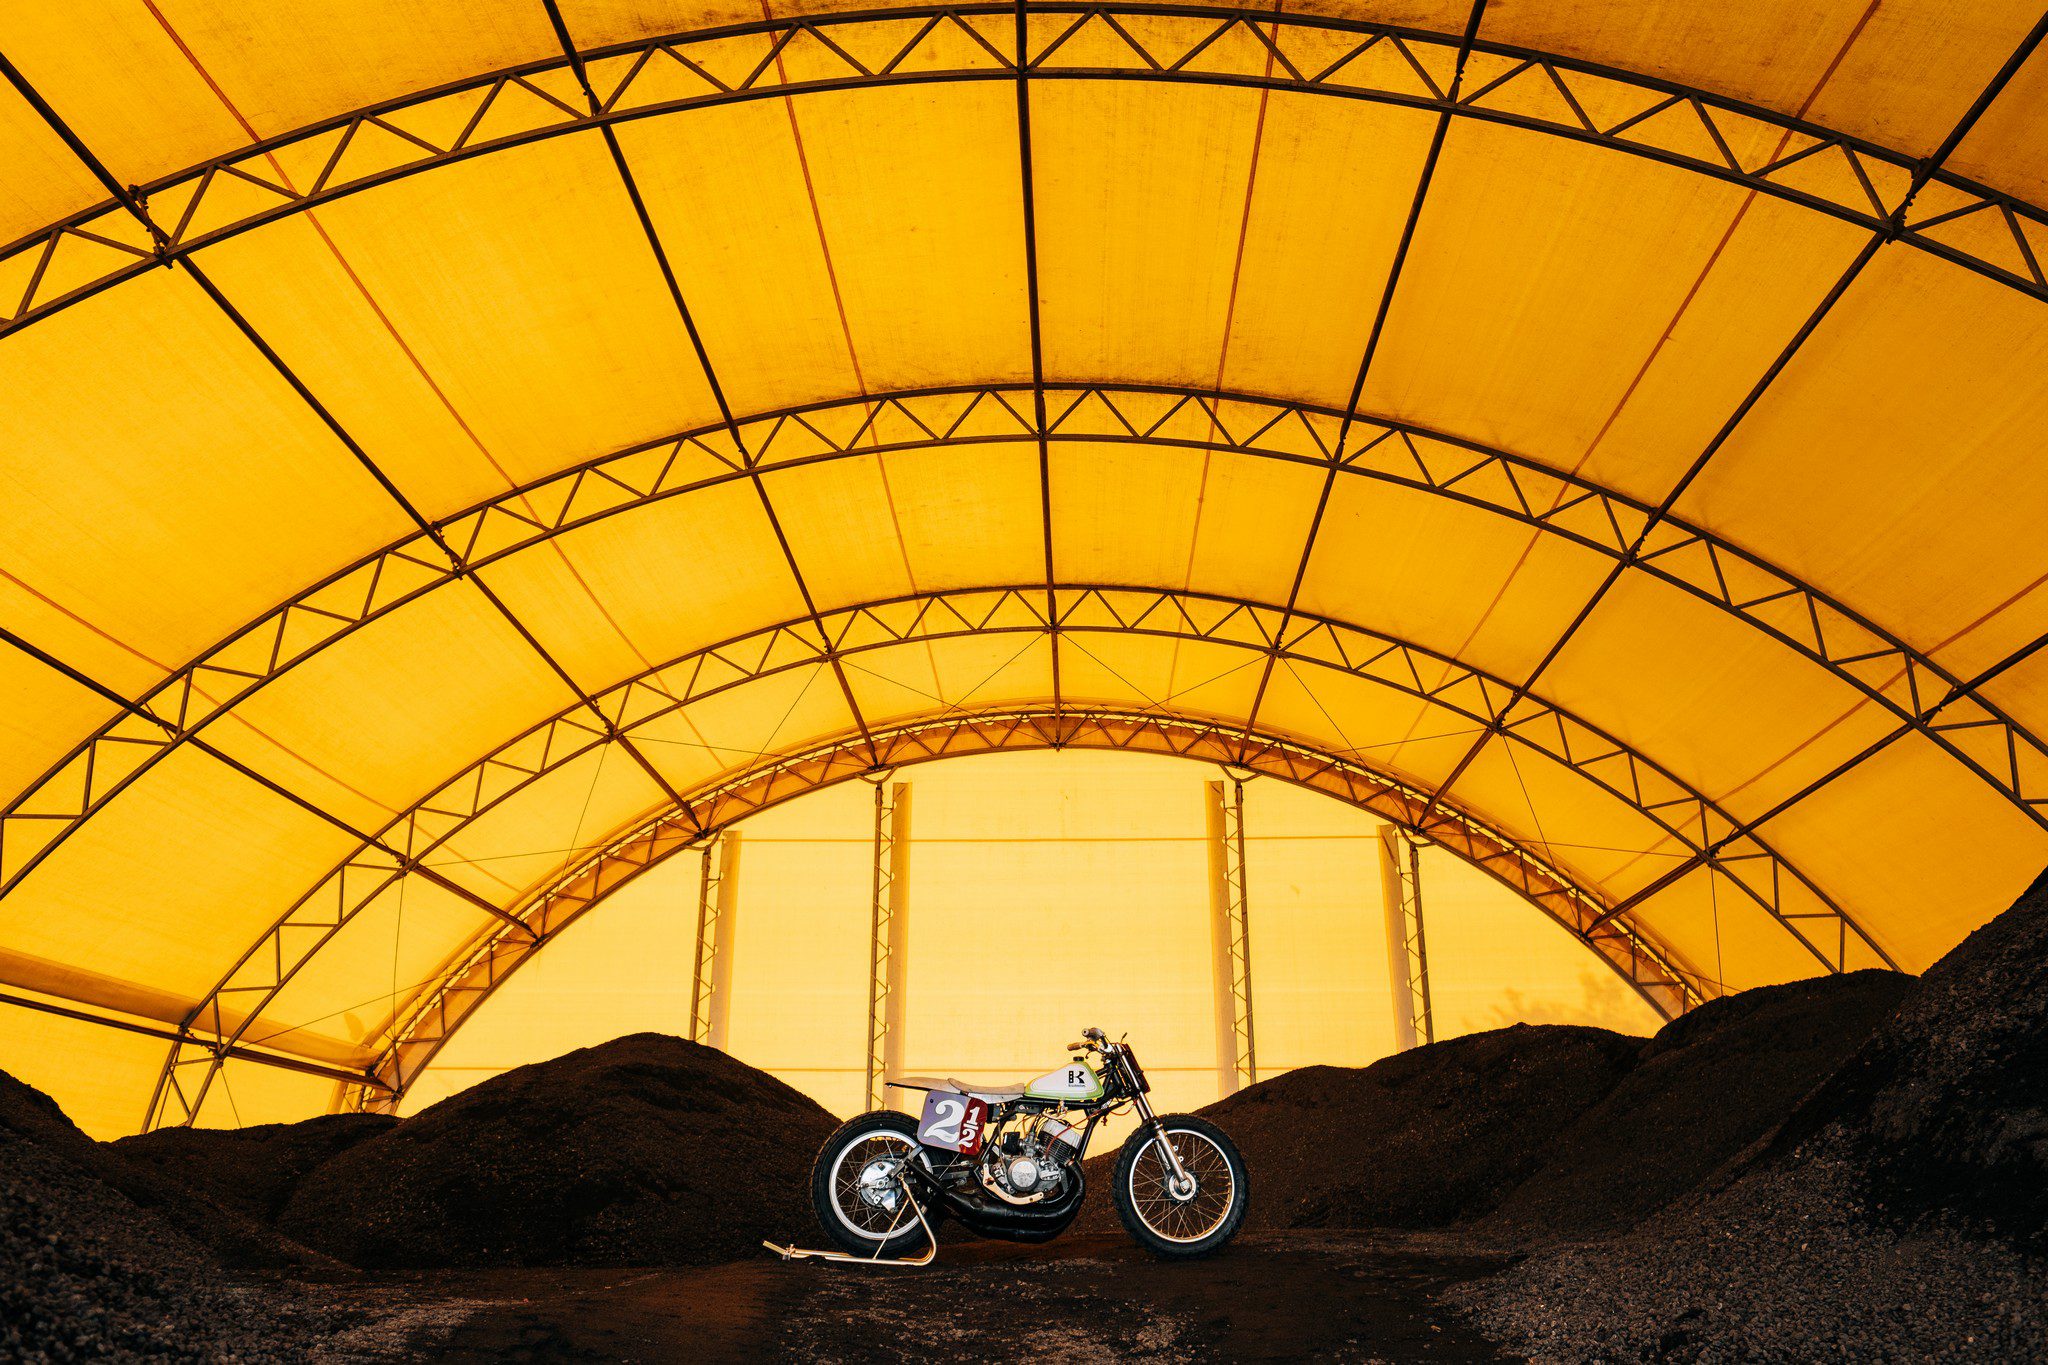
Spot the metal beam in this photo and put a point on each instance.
(1230, 937)
(711, 902)
(1821, 169)
(1407, 948)
(888, 937)
(302, 1065)
(1661, 977)
(1029, 186)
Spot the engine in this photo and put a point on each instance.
(1030, 1158)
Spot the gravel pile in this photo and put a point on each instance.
(232, 1236)
(87, 1272)
(1421, 1139)
(1900, 1212)
(1708, 1087)
(646, 1150)
(1944, 1113)
(252, 1170)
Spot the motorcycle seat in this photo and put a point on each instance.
(986, 1092)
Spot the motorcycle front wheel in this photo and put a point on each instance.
(1180, 1221)
(860, 1192)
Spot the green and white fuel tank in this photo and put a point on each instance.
(1075, 1081)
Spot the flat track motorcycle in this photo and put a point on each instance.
(1005, 1160)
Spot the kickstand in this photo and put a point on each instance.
(931, 1245)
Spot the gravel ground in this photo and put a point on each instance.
(87, 1274)
(1899, 1213)
(1782, 1266)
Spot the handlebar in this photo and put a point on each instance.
(1091, 1038)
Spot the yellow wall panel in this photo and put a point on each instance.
(173, 878)
(100, 1076)
(1900, 458)
(519, 283)
(1330, 196)
(1712, 698)
(650, 584)
(1140, 195)
(1461, 581)
(726, 188)
(161, 482)
(1544, 275)
(393, 710)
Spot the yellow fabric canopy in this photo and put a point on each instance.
(1610, 438)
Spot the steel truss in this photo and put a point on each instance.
(715, 867)
(1969, 224)
(1407, 948)
(1911, 686)
(886, 938)
(1690, 819)
(1663, 979)
(1231, 936)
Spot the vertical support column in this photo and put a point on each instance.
(888, 937)
(717, 912)
(1407, 951)
(1230, 939)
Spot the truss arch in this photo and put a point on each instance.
(1828, 172)
(1686, 817)
(1663, 979)
(1908, 684)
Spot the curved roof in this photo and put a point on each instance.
(1610, 437)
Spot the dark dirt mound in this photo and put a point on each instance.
(232, 1235)
(1859, 1231)
(645, 1150)
(89, 1272)
(1709, 1086)
(1421, 1139)
(1945, 1110)
(253, 1170)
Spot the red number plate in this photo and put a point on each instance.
(952, 1121)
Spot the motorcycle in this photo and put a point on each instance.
(1006, 1162)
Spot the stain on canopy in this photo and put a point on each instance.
(1609, 437)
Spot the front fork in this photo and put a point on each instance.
(1183, 1185)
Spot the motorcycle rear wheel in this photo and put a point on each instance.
(1181, 1225)
(860, 1201)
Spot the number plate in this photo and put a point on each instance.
(953, 1122)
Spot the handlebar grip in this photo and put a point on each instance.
(1074, 1047)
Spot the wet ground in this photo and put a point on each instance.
(1270, 1296)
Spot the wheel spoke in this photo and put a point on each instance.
(1183, 1219)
